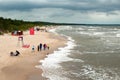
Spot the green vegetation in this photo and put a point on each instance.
(9, 25)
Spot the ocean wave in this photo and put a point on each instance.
(65, 28)
(66, 63)
(94, 73)
(50, 65)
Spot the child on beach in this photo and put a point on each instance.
(33, 48)
(48, 47)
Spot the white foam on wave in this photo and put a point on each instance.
(64, 28)
(118, 35)
(50, 65)
(98, 33)
(77, 60)
(84, 33)
(53, 30)
(99, 73)
(80, 28)
(87, 52)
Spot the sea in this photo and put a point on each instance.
(91, 53)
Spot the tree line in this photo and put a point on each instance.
(9, 25)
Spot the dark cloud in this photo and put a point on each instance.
(74, 11)
(60, 14)
(80, 5)
(20, 6)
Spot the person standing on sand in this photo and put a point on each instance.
(44, 46)
(33, 48)
(40, 46)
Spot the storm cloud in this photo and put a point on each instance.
(63, 10)
(80, 5)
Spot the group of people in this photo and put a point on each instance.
(41, 47)
(16, 53)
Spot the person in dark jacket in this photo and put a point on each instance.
(40, 46)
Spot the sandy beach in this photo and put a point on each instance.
(22, 67)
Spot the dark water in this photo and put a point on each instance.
(92, 53)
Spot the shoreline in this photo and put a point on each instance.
(62, 41)
(23, 67)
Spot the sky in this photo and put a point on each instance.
(63, 11)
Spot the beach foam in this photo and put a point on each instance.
(87, 57)
(99, 73)
(50, 65)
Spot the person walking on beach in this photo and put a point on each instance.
(40, 46)
(44, 46)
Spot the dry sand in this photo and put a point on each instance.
(22, 67)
